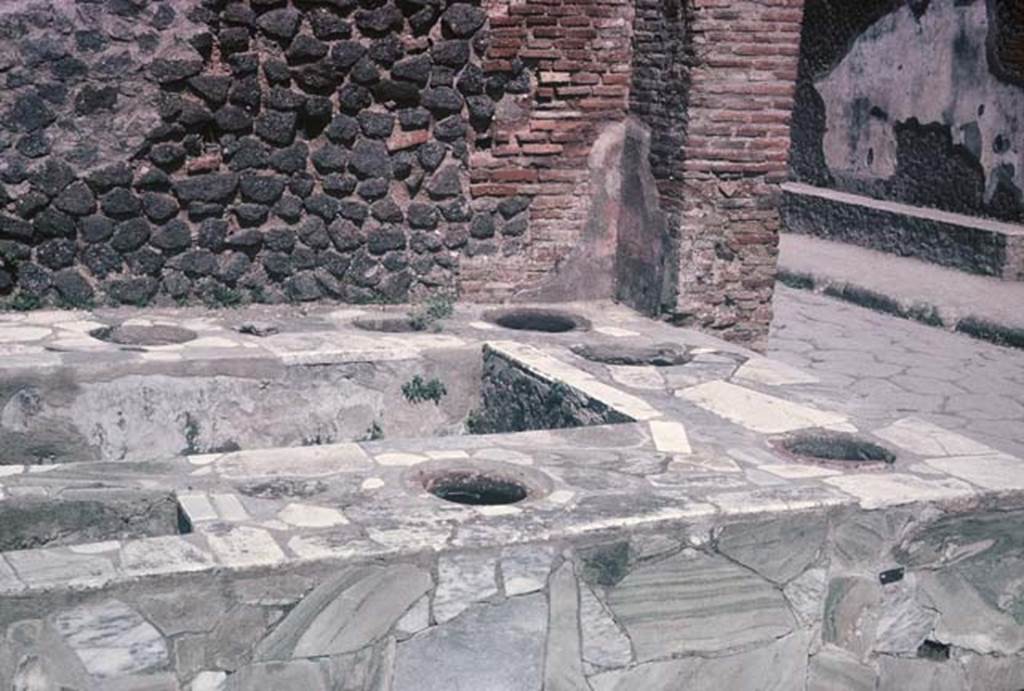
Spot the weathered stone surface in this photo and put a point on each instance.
(779, 549)
(806, 595)
(833, 668)
(604, 643)
(966, 620)
(778, 666)
(905, 622)
(346, 613)
(851, 613)
(563, 670)
(473, 651)
(900, 674)
(297, 674)
(112, 640)
(693, 602)
(462, 580)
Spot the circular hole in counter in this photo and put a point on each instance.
(538, 319)
(837, 448)
(476, 488)
(139, 335)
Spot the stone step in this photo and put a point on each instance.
(968, 243)
(979, 306)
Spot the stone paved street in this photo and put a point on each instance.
(884, 363)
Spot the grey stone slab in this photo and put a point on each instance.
(780, 548)
(346, 613)
(806, 595)
(832, 669)
(966, 620)
(462, 580)
(779, 666)
(694, 602)
(493, 647)
(112, 640)
(604, 643)
(563, 667)
(60, 567)
(904, 621)
(307, 675)
(851, 613)
(901, 674)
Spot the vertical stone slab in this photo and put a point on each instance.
(563, 669)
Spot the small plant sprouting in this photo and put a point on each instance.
(25, 302)
(373, 432)
(438, 306)
(417, 390)
(475, 422)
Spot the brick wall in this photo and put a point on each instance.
(576, 56)
(741, 92)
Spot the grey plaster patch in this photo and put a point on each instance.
(346, 613)
(494, 647)
(693, 602)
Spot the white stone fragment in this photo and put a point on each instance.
(560, 496)
(996, 472)
(96, 547)
(371, 483)
(799, 472)
(197, 506)
(13, 334)
(615, 331)
(209, 680)
(166, 554)
(483, 326)
(494, 511)
(229, 507)
(925, 439)
(770, 372)
(204, 459)
(307, 461)
(399, 459)
(875, 490)
(670, 437)
(637, 377)
(6, 470)
(446, 453)
(244, 546)
(757, 411)
(311, 516)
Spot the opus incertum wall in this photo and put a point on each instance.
(270, 150)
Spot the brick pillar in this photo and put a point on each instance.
(742, 82)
